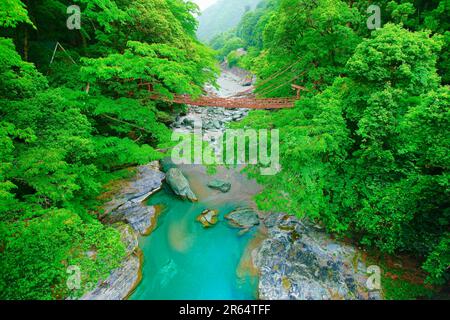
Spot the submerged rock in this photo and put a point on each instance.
(208, 218)
(300, 262)
(244, 218)
(180, 185)
(221, 185)
(124, 279)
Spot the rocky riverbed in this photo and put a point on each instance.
(299, 261)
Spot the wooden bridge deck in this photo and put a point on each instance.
(248, 103)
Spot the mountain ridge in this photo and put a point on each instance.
(222, 16)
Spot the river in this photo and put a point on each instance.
(183, 260)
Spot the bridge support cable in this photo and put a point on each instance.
(274, 76)
(232, 103)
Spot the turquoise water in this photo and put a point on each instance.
(182, 260)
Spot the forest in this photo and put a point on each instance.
(365, 152)
(221, 16)
(60, 144)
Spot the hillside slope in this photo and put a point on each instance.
(222, 16)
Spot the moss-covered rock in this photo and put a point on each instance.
(220, 185)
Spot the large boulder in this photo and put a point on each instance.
(221, 185)
(244, 218)
(208, 218)
(180, 185)
(128, 205)
(298, 261)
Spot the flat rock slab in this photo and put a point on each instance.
(128, 205)
(139, 216)
(221, 185)
(244, 218)
(119, 284)
(298, 261)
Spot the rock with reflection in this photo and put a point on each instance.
(208, 218)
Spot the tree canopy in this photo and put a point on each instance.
(365, 151)
(73, 116)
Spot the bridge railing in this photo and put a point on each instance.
(248, 103)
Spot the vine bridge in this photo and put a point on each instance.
(231, 102)
(245, 99)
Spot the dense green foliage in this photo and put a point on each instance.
(72, 118)
(366, 151)
(225, 43)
